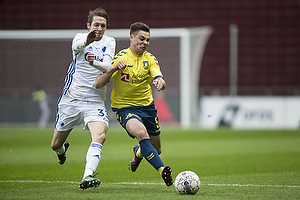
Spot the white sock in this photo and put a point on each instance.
(93, 157)
(61, 150)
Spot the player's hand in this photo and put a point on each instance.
(90, 58)
(91, 37)
(159, 83)
(121, 65)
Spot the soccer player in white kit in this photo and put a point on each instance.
(80, 102)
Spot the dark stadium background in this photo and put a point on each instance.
(268, 39)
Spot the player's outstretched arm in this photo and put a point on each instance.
(159, 83)
(90, 38)
(103, 79)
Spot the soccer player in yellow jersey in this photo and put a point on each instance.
(132, 71)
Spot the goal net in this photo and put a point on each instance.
(40, 58)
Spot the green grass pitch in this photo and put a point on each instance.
(231, 164)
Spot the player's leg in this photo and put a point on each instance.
(98, 133)
(164, 171)
(97, 123)
(138, 130)
(152, 124)
(67, 117)
(156, 142)
(59, 144)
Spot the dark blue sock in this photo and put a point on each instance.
(150, 153)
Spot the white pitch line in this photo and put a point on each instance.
(140, 183)
(135, 183)
(251, 185)
(35, 181)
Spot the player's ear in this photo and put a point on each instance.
(131, 37)
(88, 25)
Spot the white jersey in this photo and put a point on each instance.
(81, 76)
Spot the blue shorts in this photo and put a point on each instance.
(145, 114)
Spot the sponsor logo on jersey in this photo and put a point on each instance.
(125, 77)
(139, 78)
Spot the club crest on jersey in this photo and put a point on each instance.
(146, 64)
(125, 77)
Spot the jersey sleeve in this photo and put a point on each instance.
(108, 56)
(155, 69)
(78, 42)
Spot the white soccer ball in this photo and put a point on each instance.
(187, 182)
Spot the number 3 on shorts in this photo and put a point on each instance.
(102, 113)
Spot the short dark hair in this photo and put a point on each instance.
(98, 12)
(139, 26)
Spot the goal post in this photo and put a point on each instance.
(178, 50)
(192, 46)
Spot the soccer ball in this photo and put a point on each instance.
(187, 182)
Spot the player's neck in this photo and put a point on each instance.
(136, 53)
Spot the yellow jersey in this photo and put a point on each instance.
(132, 86)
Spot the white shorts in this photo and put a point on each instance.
(72, 113)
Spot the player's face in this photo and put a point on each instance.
(139, 42)
(99, 24)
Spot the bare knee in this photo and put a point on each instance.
(99, 137)
(102, 138)
(98, 131)
(141, 134)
